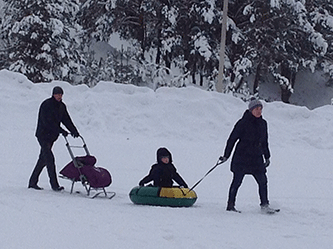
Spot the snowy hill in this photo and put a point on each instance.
(123, 126)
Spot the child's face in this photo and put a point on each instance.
(165, 159)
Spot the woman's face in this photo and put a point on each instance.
(257, 111)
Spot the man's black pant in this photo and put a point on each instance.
(260, 178)
(46, 158)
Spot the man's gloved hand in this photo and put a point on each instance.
(267, 162)
(64, 133)
(75, 134)
(141, 184)
(223, 159)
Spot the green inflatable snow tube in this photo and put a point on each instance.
(162, 196)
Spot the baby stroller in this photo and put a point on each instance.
(82, 168)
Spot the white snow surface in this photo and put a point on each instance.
(123, 126)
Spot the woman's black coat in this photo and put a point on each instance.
(252, 136)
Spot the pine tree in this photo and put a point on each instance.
(321, 18)
(95, 17)
(278, 37)
(41, 38)
(198, 30)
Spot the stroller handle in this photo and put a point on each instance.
(69, 147)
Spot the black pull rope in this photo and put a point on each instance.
(217, 164)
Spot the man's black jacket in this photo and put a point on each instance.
(51, 114)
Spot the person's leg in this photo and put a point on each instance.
(47, 158)
(262, 181)
(41, 163)
(234, 186)
(50, 164)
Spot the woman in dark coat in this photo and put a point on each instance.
(251, 155)
(163, 172)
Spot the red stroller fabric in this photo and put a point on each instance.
(97, 177)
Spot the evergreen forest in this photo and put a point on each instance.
(172, 42)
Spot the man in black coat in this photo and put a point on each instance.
(163, 172)
(52, 112)
(250, 133)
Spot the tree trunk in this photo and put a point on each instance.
(194, 69)
(167, 60)
(159, 35)
(290, 74)
(257, 78)
(142, 35)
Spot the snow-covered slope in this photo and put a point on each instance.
(123, 126)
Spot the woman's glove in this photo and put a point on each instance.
(223, 159)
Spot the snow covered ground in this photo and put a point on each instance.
(123, 126)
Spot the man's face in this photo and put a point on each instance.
(58, 96)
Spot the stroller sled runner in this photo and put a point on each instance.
(83, 169)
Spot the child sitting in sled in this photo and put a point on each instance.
(163, 172)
